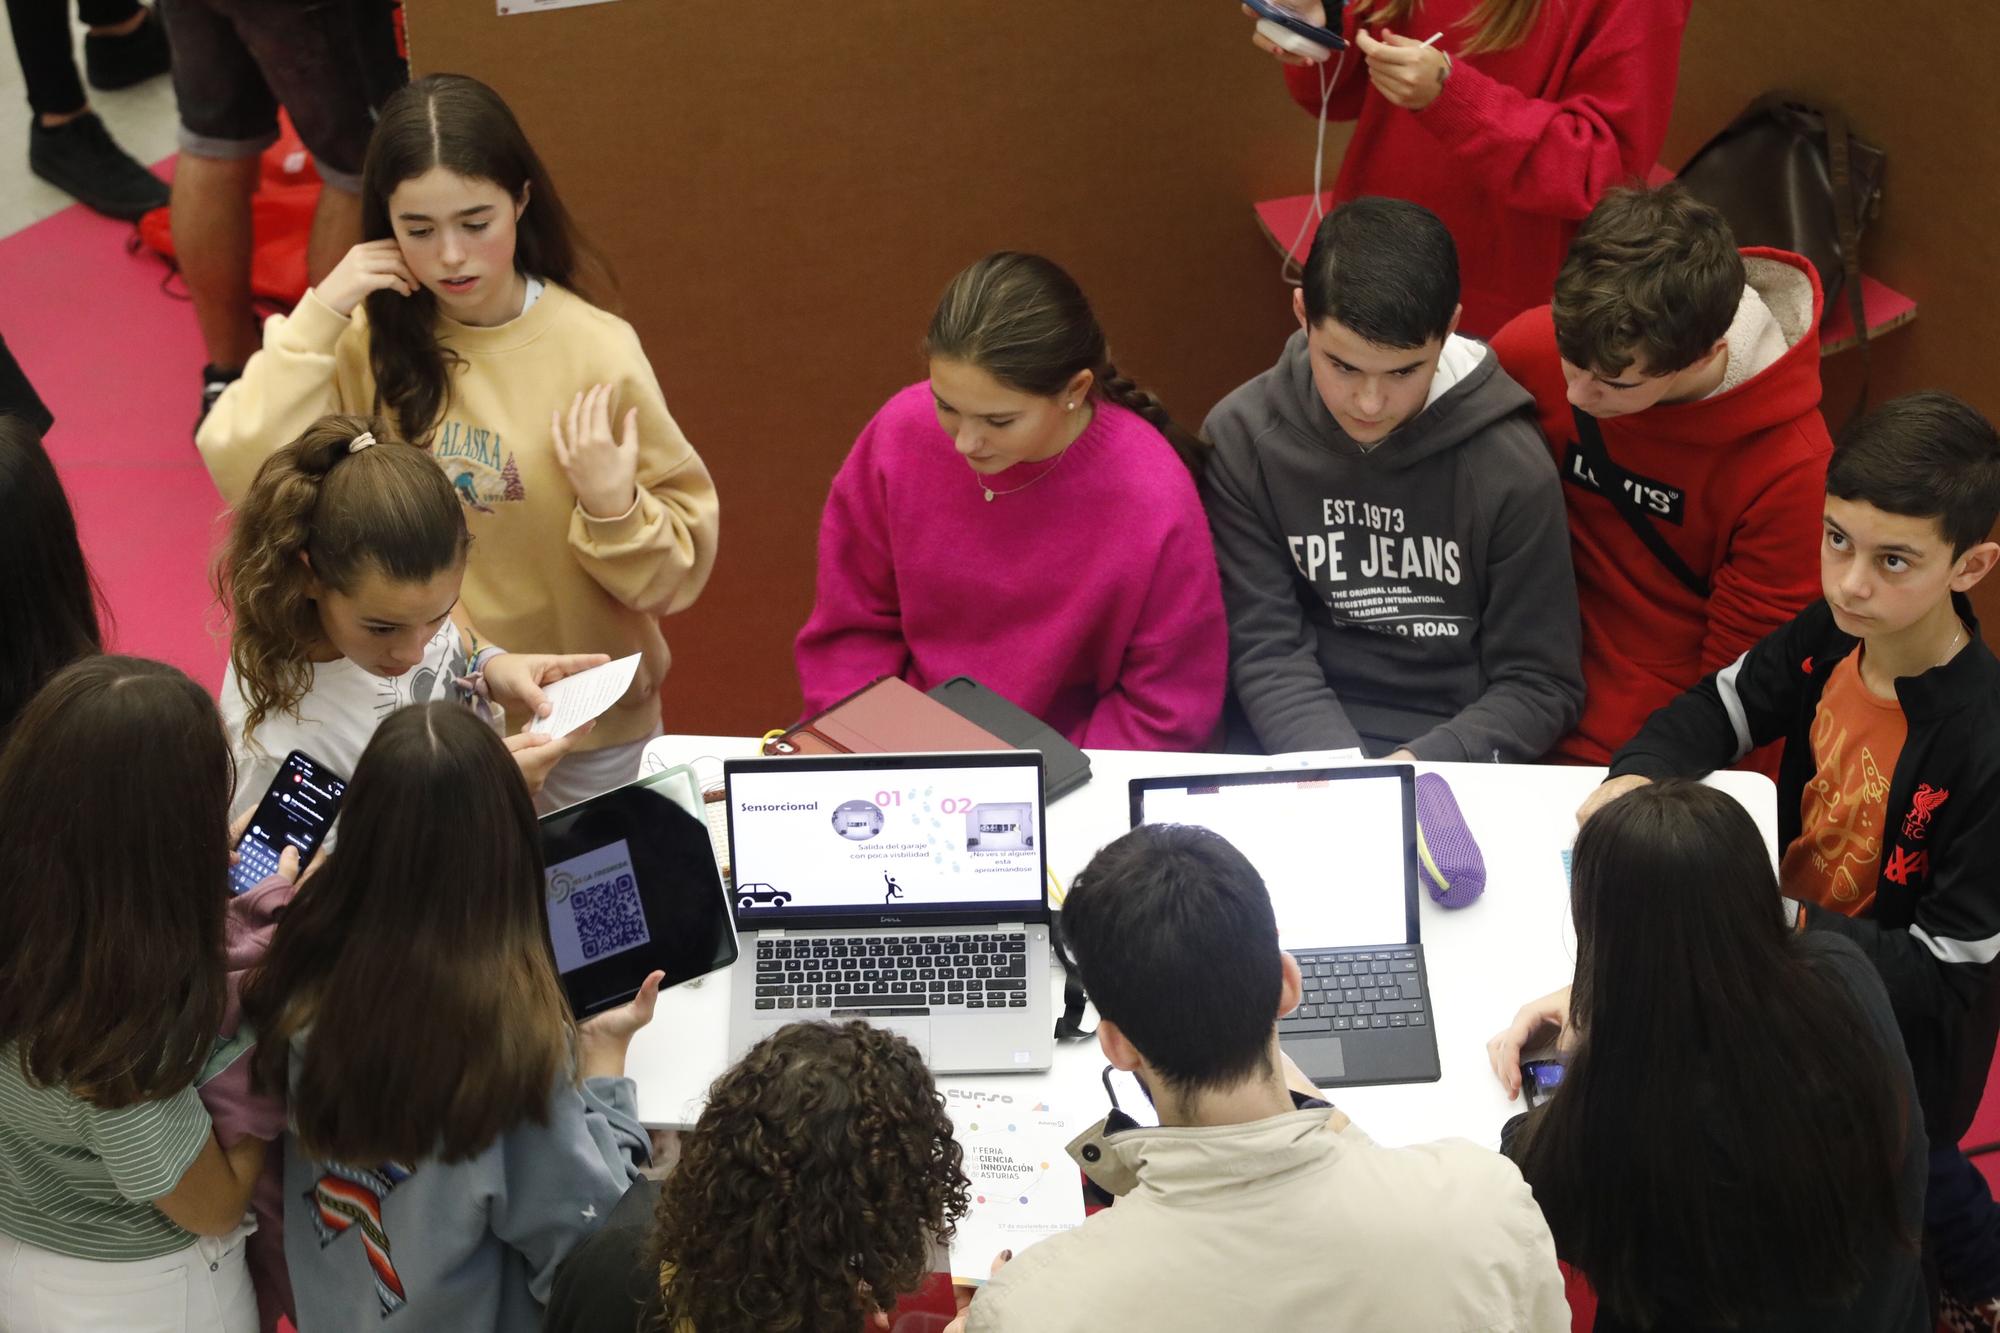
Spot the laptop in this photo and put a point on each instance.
(1337, 848)
(906, 890)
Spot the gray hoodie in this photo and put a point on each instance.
(1418, 594)
(469, 1247)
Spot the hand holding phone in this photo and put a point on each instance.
(294, 816)
(1541, 1075)
(1297, 32)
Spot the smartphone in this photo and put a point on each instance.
(1539, 1079)
(297, 810)
(1126, 1093)
(1327, 39)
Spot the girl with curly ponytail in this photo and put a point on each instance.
(1027, 517)
(341, 575)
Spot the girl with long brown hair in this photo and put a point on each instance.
(455, 1133)
(466, 320)
(118, 1204)
(1028, 517)
(1509, 119)
(342, 575)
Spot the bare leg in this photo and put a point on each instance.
(336, 229)
(212, 239)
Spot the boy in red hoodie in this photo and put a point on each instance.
(1677, 381)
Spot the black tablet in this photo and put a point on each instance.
(633, 888)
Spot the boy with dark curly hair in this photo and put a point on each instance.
(821, 1133)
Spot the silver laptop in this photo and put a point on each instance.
(910, 891)
(1337, 848)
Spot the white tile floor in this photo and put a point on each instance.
(141, 119)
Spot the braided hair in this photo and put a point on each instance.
(1024, 321)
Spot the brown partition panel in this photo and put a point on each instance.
(784, 191)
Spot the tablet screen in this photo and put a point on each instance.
(632, 887)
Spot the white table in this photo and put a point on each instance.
(1483, 961)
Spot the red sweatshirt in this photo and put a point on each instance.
(1521, 143)
(1737, 480)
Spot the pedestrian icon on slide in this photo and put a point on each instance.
(895, 890)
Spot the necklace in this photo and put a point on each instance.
(1948, 648)
(1016, 490)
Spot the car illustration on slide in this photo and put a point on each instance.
(753, 895)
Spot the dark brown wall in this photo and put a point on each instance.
(783, 208)
(784, 203)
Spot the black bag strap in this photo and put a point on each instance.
(1847, 227)
(1070, 1025)
(1611, 483)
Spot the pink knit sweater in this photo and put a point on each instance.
(1091, 600)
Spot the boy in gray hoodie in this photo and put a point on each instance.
(1388, 521)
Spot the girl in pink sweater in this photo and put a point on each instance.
(1510, 127)
(1022, 518)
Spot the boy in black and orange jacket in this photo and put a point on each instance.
(1888, 703)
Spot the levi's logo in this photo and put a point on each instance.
(1924, 802)
(1661, 501)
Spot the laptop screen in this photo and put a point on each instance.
(1336, 847)
(889, 838)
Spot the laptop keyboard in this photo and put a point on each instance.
(1356, 989)
(986, 970)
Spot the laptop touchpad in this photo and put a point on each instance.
(1319, 1057)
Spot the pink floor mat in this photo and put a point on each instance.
(119, 362)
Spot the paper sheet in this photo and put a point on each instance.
(1025, 1187)
(531, 6)
(586, 695)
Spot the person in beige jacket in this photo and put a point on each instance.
(1255, 1204)
(591, 514)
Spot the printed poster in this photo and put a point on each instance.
(1025, 1187)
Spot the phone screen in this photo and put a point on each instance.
(1540, 1079)
(297, 810)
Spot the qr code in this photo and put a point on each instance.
(608, 916)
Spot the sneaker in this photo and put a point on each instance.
(80, 158)
(1960, 1316)
(111, 63)
(214, 379)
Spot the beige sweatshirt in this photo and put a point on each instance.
(544, 576)
(1300, 1221)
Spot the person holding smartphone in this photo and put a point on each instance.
(1510, 123)
(116, 1194)
(455, 1132)
(1735, 1142)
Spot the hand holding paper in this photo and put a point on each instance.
(578, 699)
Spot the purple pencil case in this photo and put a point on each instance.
(1453, 870)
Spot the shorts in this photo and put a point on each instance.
(330, 63)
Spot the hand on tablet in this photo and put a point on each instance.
(602, 1038)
